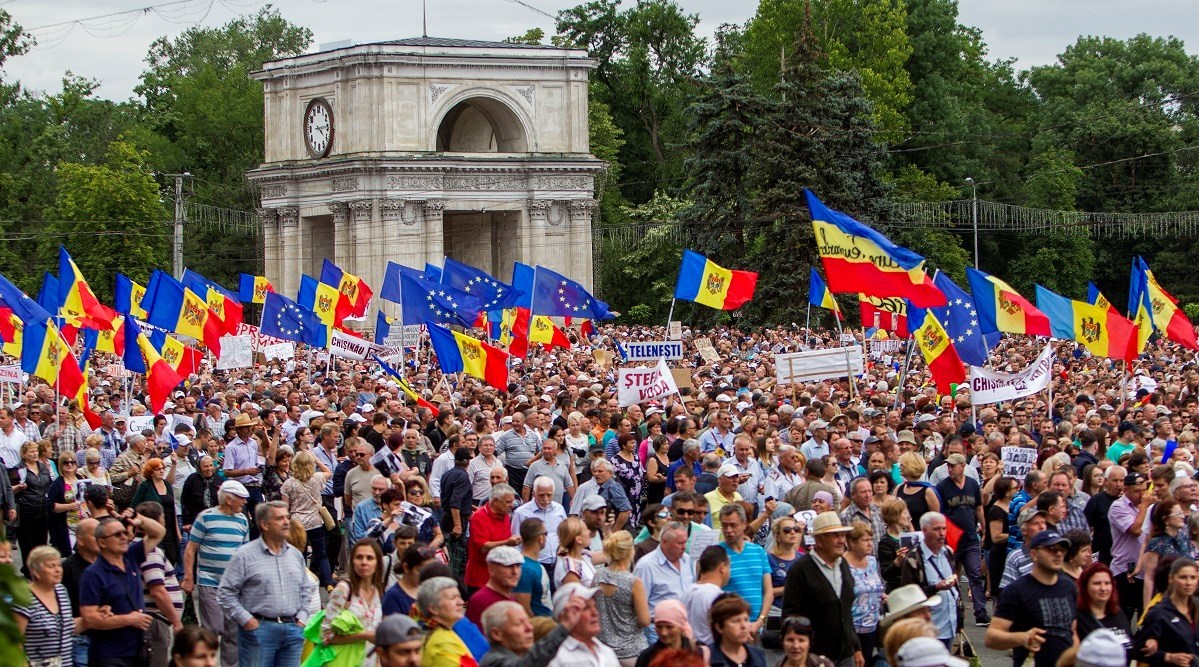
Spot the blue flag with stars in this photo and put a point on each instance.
(960, 319)
(554, 294)
(286, 319)
(494, 294)
(391, 281)
(426, 301)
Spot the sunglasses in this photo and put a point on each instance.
(789, 529)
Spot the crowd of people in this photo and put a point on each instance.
(310, 511)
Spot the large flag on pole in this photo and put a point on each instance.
(703, 281)
(857, 258)
(1096, 298)
(75, 297)
(128, 297)
(1103, 332)
(284, 318)
(493, 294)
(160, 377)
(426, 301)
(355, 294)
(1001, 308)
(937, 349)
(960, 318)
(555, 294)
(1166, 316)
(459, 353)
(253, 289)
(171, 306)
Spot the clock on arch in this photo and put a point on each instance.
(318, 127)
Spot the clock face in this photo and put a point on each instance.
(318, 128)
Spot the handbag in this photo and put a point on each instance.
(326, 517)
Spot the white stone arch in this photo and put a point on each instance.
(506, 116)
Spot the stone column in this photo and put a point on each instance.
(580, 242)
(534, 248)
(343, 253)
(270, 244)
(291, 245)
(362, 246)
(434, 231)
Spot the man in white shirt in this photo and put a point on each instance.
(290, 425)
(713, 575)
(11, 439)
(581, 648)
(550, 512)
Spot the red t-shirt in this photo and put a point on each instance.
(480, 601)
(485, 526)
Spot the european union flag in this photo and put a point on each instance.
(25, 308)
(554, 294)
(391, 282)
(960, 319)
(522, 281)
(433, 273)
(426, 301)
(494, 294)
(284, 318)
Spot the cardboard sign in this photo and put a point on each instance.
(409, 336)
(135, 425)
(260, 340)
(670, 350)
(707, 350)
(602, 357)
(236, 352)
(639, 385)
(1017, 461)
(682, 376)
(813, 365)
(675, 330)
(10, 374)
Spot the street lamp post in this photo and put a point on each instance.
(974, 215)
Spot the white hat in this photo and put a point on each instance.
(827, 522)
(906, 599)
(506, 419)
(724, 398)
(168, 406)
(654, 411)
(927, 652)
(742, 406)
(1101, 648)
(728, 470)
(356, 418)
(819, 423)
(566, 592)
(593, 503)
(235, 488)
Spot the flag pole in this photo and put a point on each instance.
(903, 375)
(848, 365)
(807, 325)
(670, 315)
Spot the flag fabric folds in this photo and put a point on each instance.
(1140, 310)
(818, 294)
(161, 378)
(75, 297)
(703, 281)
(1101, 331)
(405, 387)
(354, 293)
(222, 304)
(45, 354)
(459, 353)
(253, 289)
(937, 349)
(25, 308)
(284, 318)
(319, 297)
(111, 341)
(960, 319)
(493, 294)
(857, 258)
(1166, 317)
(543, 331)
(391, 289)
(185, 360)
(522, 282)
(382, 327)
(171, 306)
(127, 297)
(47, 296)
(423, 300)
(554, 294)
(1001, 308)
(1096, 298)
(134, 361)
(433, 273)
(885, 313)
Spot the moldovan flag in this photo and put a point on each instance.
(76, 298)
(185, 360)
(887, 313)
(160, 377)
(1100, 330)
(111, 341)
(819, 296)
(1168, 318)
(355, 294)
(1096, 298)
(459, 353)
(45, 354)
(382, 327)
(405, 387)
(128, 297)
(11, 332)
(321, 298)
(173, 307)
(1001, 308)
(222, 304)
(938, 351)
(857, 258)
(702, 281)
(253, 289)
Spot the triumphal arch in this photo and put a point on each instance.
(416, 149)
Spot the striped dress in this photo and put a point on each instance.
(217, 536)
(49, 635)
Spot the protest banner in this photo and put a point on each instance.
(351, 347)
(638, 385)
(675, 330)
(135, 425)
(988, 386)
(284, 350)
(260, 340)
(670, 350)
(707, 350)
(1017, 461)
(408, 336)
(10, 374)
(682, 376)
(813, 365)
(236, 352)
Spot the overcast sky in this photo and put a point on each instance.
(112, 49)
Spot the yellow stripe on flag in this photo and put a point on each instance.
(714, 288)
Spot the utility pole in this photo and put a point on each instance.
(974, 215)
(177, 244)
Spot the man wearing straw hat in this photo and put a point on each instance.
(820, 586)
(241, 463)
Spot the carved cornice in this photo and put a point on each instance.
(340, 211)
(345, 183)
(289, 216)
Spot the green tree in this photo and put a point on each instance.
(867, 37)
(638, 280)
(606, 140)
(532, 36)
(112, 216)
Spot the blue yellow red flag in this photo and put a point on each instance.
(1102, 331)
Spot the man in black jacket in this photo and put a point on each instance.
(820, 587)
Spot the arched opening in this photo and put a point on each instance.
(481, 125)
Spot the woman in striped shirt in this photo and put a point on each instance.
(46, 622)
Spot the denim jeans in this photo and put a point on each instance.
(271, 644)
(319, 564)
(970, 558)
(81, 646)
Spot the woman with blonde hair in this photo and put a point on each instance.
(868, 587)
(34, 479)
(154, 487)
(66, 502)
(302, 493)
(622, 601)
(919, 496)
(901, 632)
(46, 623)
(91, 461)
(574, 561)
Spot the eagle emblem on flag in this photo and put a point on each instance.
(932, 338)
(714, 283)
(192, 314)
(1092, 330)
(170, 355)
(54, 349)
(1007, 305)
(472, 352)
(324, 303)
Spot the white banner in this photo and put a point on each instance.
(350, 347)
(236, 352)
(638, 385)
(135, 425)
(260, 340)
(10, 374)
(670, 350)
(813, 365)
(283, 350)
(988, 386)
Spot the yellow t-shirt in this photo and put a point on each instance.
(444, 648)
(717, 501)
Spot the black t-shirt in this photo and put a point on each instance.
(1028, 603)
(994, 513)
(961, 506)
(1117, 622)
(72, 569)
(1096, 514)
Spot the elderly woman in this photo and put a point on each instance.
(91, 465)
(732, 634)
(441, 606)
(46, 623)
(65, 499)
(674, 633)
(797, 645)
(302, 493)
(622, 601)
(868, 587)
(32, 482)
(154, 487)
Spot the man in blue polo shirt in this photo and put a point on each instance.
(749, 570)
(114, 581)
